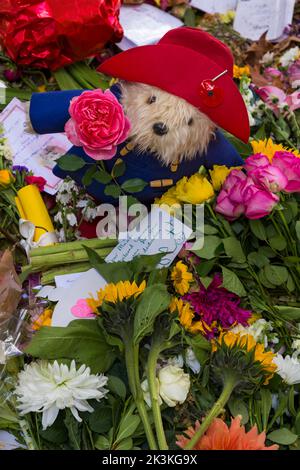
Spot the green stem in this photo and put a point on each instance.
(132, 366)
(228, 388)
(152, 362)
(224, 233)
(292, 241)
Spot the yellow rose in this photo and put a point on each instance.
(6, 178)
(195, 190)
(168, 198)
(218, 175)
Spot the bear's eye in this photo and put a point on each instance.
(190, 121)
(151, 100)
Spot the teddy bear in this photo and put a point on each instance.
(177, 95)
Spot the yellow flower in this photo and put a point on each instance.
(239, 72)
(184, 310)
(268, 147)
(168, 198)
(194, 190)
(44, 319)
(227, 17)
(6, 178)
(41, 88)
(219, 174)
(248, 343)
(114, 293)
(181, 278)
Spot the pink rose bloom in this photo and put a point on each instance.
(289, 164)
(264, 174)
(258, 160)
(258, 202)
(98, 124)
(240, 195)
(82, 310)
(230, 201)
(271, 72)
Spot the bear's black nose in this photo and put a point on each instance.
(160, 128)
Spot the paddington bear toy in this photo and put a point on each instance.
(175, 94)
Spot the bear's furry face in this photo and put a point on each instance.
(166, 125)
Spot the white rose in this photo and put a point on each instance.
(174, 385)
(146, 392)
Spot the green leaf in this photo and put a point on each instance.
(282, 436)
(238, 407)
(102, 443)
(94, 259)
(210, 230)
(128, 426)
(277, 243)
(113, 190)
(56, 433)
(232, 283)
(297, 228)
(100, 420)
(118, 169)
(257, 259)
(126, 444)
(153, 301)
(290, 284)
(211, 243)
(145, 263)
(204, 267)
(102, 176)
(117, 386)
(258, 229)
(115, 272)
(70, 162)
(276, 275)
(243, 149)
(289, 313)
(264, 280)
(234, 250)
(88, 176)
(74, 430)
(134, 185)
(81, 340)
(266, 406)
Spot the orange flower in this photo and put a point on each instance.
(221, 437)
(44, 319)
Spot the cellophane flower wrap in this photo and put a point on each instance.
(53, 34)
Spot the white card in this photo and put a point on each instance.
(8, 441)
(86, 285)
(158, 232)
(144, 24)
(255, 17)
(65, 280)
(36, 152)
(214, 6)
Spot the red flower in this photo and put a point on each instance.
(39, 181)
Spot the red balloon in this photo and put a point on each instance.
(55, 33)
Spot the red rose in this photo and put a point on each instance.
(39, 181)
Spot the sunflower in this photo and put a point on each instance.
(186, 315)
(181, 278)
(269, 148)
(115, 293)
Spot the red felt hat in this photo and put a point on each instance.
(190, 64)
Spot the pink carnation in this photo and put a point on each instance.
(82, 310)
(98, 124)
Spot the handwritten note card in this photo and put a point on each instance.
(144, 24)
(36, 152)
(214, 6)
(158, 232)
(255, 17)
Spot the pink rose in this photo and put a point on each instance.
(98, 124)
(264, 174)
(258, 202)
(289, 164)
(240, 195)
(82, 310)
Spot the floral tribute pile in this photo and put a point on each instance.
(204, 354)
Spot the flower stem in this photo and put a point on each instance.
(160, 433)
(132, 365)
(228, 388)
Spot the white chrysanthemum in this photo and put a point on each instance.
(47, 388)
(289, 56)
(288, 368)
